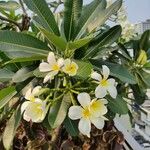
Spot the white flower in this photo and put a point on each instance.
(128, 29)
(89, 112)
(30, 94)
(105, 84)
(34, 109)
(70, 67)
(52, 67)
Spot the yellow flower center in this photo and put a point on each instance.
(71, 68)
(38, 109)
(55, 67)
(96, 106)
(86, 113)
(104, 82)
(32, 98)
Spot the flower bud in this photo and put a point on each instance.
(142, 59)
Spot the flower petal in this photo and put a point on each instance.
(85, 126)
(98, 108)
(36, 90)
(44, 67)
(112, 91)
(96, 76)
(67, 61)
(25, 117)
(51, 58)
(28, 94)
(100, 92)
(60, 62)
(75, 112)
(84, 99)
(105, 71)
(98, 122)
(50, 76)
(24, 106)
(111, 81)
(34, 112)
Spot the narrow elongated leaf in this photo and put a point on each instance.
(10, 5)
(71, 127)
(22, 74)
(44, 13)
(58, 111)
(26, 59)
(85, 69)
(71, 14)
(17, 45)
(57, 41)
(117, 70)
(68, 19)
(105, 39)
(78, 43)
(5, 75)
(6, 95)
(11, 128)
(139, 94)
(145, 41)
(103, 15)
(88, 15)
(118, 105)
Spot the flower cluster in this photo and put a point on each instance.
(94, 111)
(128, 29)
(90, 111)
(52, 67)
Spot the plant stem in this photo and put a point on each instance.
(10, 21)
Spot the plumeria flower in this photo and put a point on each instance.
(105, 84)
(89, 112)
(31, 94)
(52, 67)
(34, 109)
(70, 67)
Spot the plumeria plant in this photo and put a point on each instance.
(65, 80)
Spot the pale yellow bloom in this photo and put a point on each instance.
(89, 112)
(34, 109)
(70, 67)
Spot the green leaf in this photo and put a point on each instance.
(22, 74)
(116, 70)
(88, 15)
(58, 111)
(71, 126)
(26, 59)
(103, 15)
(6, 95)
(71, 13)
(57, 41)
(84, 70)
(105, 39)
(9, 6)
(44, 14)
(145, 41)
(117, 105)
(5, 75)
(139, 94)
(19, 45)
(39, 74)
(11, 128)
(78, 43)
